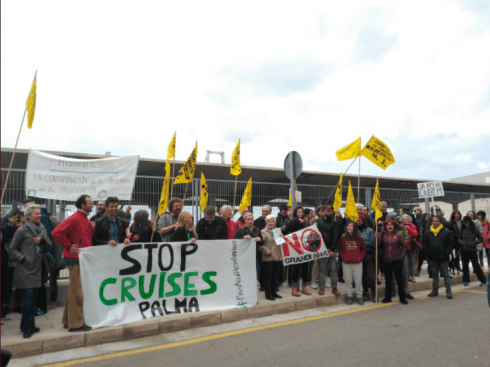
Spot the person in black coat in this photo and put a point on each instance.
(143, 230)
(249, 231)
(469, 237)
(184, 231)
(110, 229)
(211, 227)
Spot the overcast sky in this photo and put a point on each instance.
(310, 76)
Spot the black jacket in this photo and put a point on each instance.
(245, 231)
(102, 233)
(181, 235)
(260, 223)
(145, 235)
(438, 248)
(216, 230)
(469, 239)
(98, 215)
(295, 225)
(330, 231)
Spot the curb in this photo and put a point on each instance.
(177, 322)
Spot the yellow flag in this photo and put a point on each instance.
(350, 206)
(378, 153)
(171, 148)
(349, 151)
(290, 202)
(186, 173)
(235, 161)
(247, 196)
(162, 206)
(204, 193)
(338, 196)
(376, 204)
(31, 104)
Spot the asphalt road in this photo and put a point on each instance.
(428, 332)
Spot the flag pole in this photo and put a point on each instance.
(185, 193)
(376, 267)
(359, 182)
(173, 178)
(15, 149)
(335, 188)
(234, 195)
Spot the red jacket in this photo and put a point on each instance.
(232, 228)
(352, 252)
(412, 235)
(76, 229)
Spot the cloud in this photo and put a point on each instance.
(373, 45)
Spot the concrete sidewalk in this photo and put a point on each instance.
(54, 338)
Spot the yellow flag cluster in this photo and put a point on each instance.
(31, 103)
(235, 168)
(186, 173)
(376, 204)
(350, 206)
(247, 197)
(204, 193)
(349, 151)
(163, 204)
(338, 196)
(375, 150)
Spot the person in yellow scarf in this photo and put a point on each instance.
(438, 244)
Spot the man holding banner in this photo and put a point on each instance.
(110, 229)
(73, 234)
(168, 221)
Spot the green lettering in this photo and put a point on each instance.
(143, 294)
(107, 302)
(175, 287)
(124, 289)
(187, 285)
(161, 288)
(212, 285)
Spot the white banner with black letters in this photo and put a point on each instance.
(303, 246)
(132, 282)
(54, 177)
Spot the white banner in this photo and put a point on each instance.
(303, 246)
(54, 177)
(430, 189)
(128, 283)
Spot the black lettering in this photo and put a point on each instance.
(150, 248)
(136, 268)
(144, 306)
(193, 305)
(164, 305)
(171, 253)
(181, 306)
(184, 253)
(155, 306)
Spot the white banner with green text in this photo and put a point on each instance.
(127, 283)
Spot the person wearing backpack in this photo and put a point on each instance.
(470, 237)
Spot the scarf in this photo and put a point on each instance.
(436, 230)
(35, 229)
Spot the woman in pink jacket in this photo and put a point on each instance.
(412, 248)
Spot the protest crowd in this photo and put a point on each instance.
(35, 247)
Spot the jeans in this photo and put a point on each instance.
(28, 311)
(395, 267)
(411, 263)
(473, 257)
(353, 272)
(442, 266)
(303, 268)
(322, 271)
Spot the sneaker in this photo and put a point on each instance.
(360, 301)
(466, 284)
(335, 291)
(41, 312)
(321, 292)
(349, 300)
(314, 285)
(483, 284)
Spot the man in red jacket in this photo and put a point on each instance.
(73, 234)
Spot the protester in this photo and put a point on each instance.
(185, 230)
(369, 260)
(260, 223)
(249, 231)
(382, 219)
(241, 221)
(352, 250)
(101, 210)
(412, 247)
(271, 260)
(73, 234)
(438, 243)
(27, 247)
(470, 238)
(440, 214)
(143, 230)
(456, 221)
(314, 276)
(418, 215)
(330, 230)
(341, 224)
(282, 218)
(485, 224)
(211, 227)
(110, 229)
(298, 223)
(365, 212)
(227, 214)
(423, 228)
(167, 223)
(479, 228)
(393, 248)
(124, 214)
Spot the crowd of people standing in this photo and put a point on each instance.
(35, 247)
